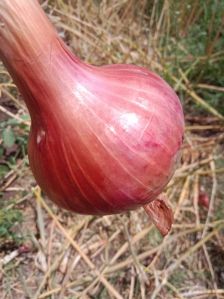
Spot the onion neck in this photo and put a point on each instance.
(25, 31)
(33, 53)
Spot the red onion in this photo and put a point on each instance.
(103, 139)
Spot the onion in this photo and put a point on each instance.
(103, 139)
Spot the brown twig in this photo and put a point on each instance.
(109, 287)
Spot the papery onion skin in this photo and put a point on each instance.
(104, 139)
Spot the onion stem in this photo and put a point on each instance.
(27, 39)
(25, 31)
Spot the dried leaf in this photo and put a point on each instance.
(161, 214)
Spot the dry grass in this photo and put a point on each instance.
(64, 255)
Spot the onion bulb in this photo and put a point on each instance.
(103, 140)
